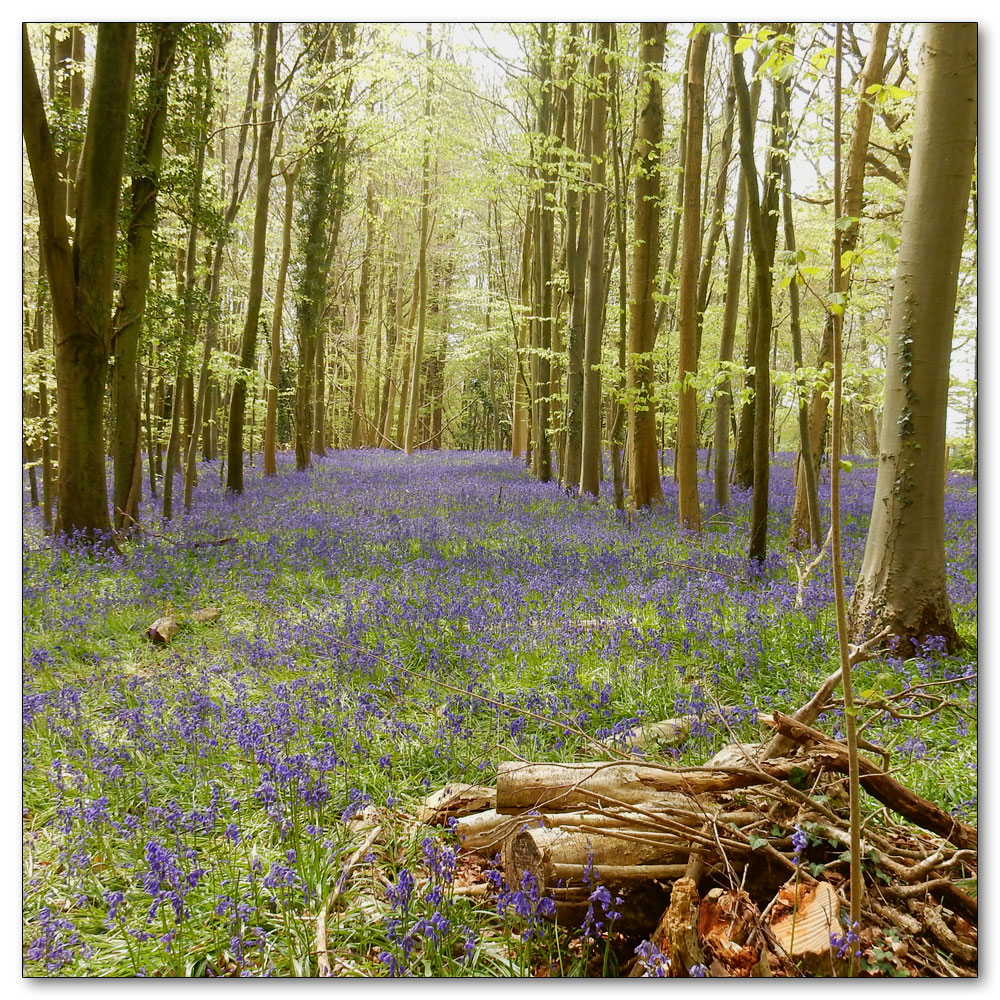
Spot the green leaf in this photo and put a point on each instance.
(742, 44)
(756, 841)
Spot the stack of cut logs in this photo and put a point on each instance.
(661, 835)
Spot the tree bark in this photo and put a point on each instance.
(413, 409)
(805, 452)
(81, 271)
(127, 436)
(590, 461)
(903, 578)
(545, 237)
(274, 369)
(644, 467)
(734, 271)
(248, 343)
(577, 217)
(359, 347)
(689, 508)
(763, 227)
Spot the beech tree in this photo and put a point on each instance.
(687, 414)
(81, 268)
(902, 583)
(248, 346)
(590, 460)
(644, 467)
(126, 440)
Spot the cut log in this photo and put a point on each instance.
(577, 861)
(566, 787)
(803, 919)
(485, 831)
(456, 799)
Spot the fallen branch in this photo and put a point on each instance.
(887, 790)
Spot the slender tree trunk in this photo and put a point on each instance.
(319, 393)
(687, 414)
(577, 218)
(871, 75)
(761, 236)
(590, 463)
(321, 175)
(724, 395)
(522, 397)
(620, 465)
(675, 222)
(812, 493)
(545, 233)
(188, 257)
(413, 408)
(903, 578)
(718, 209)
(274, 369)
(127, 435)
(407, 358)
(248, 344)
(150, 446)
(359, 350)
(644, 469)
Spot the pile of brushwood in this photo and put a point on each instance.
(739, 867)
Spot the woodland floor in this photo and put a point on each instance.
(187, 805)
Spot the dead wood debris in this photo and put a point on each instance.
(654, 832)
(166, 628)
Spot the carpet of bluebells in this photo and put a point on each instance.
(187, 808)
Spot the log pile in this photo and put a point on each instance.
(705, 862)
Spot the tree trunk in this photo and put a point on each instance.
(577, 218)
(686, 458)
(644, 468)
(590, 462)
(186, 289)
(81, 272)
(359, 349)
(763, 228)
(127, 437)
(393, 340)
(248, 342)
(903, 579)
(274, 369)
(320, 177)
(413, 409)
(805, 453)
(734, 271)
(718, 208)
(677, 208)
(522, 396)
(871, 75)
